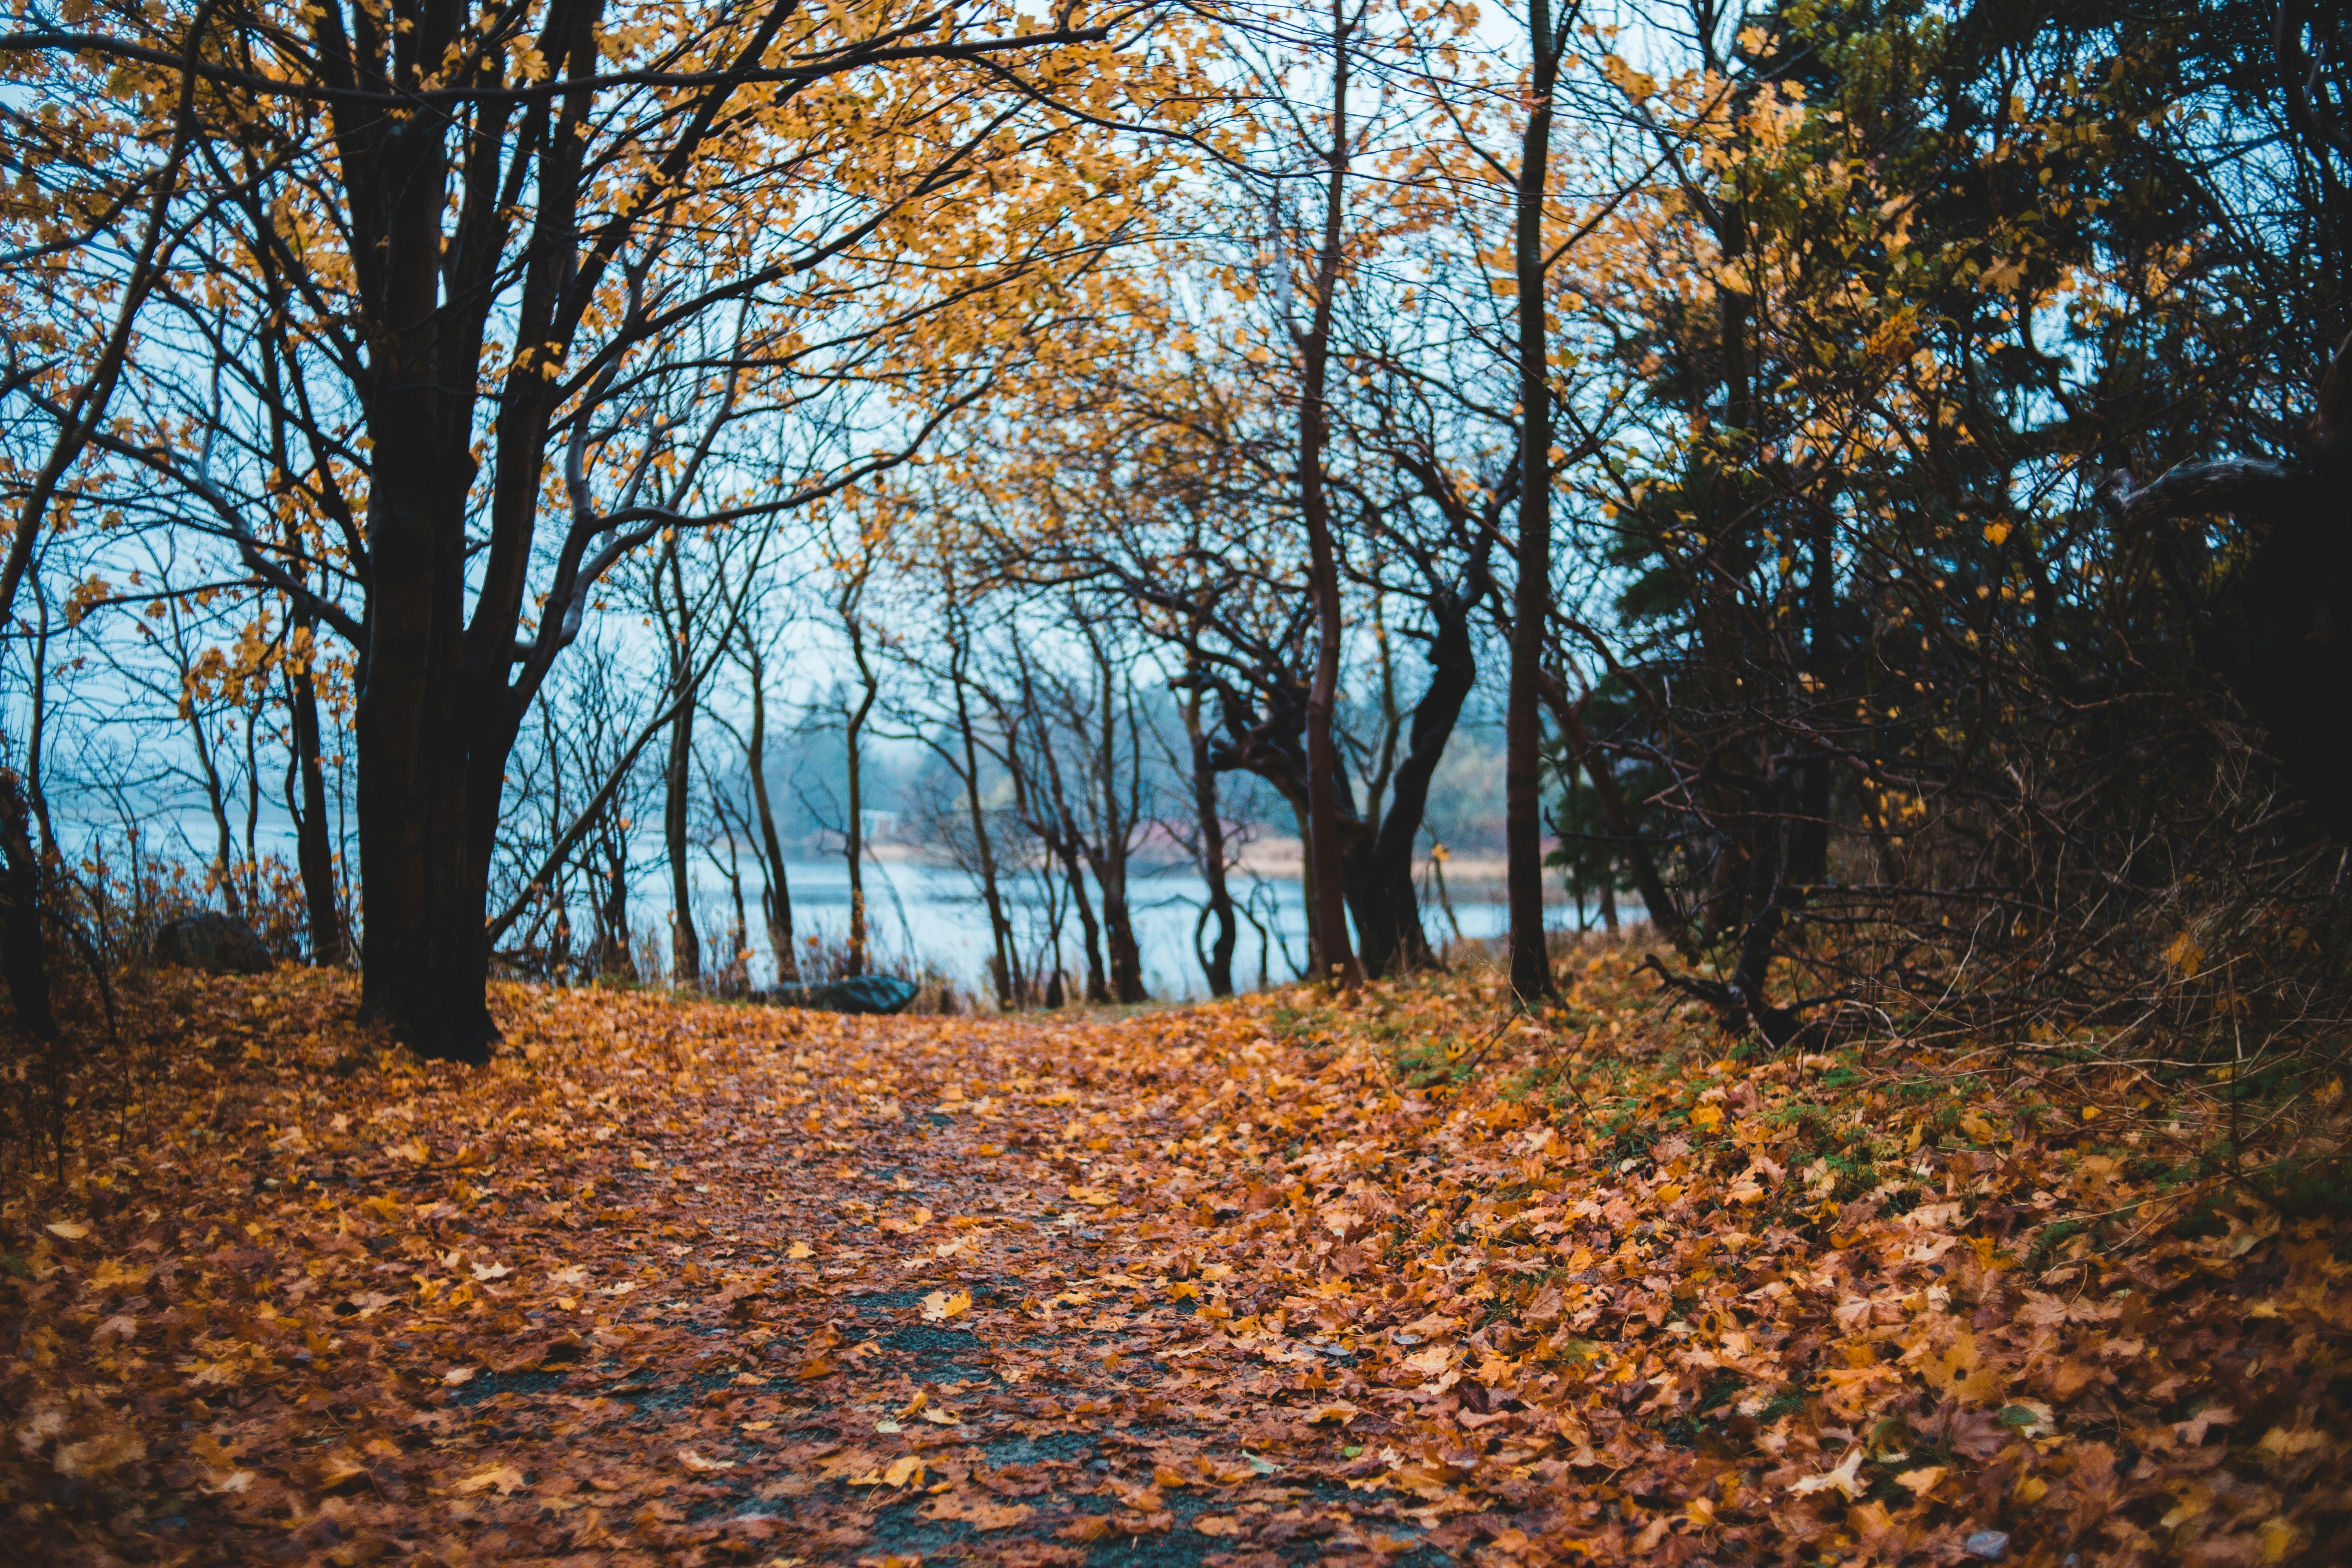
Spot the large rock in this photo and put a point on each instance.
(865, 993)
(216, 943)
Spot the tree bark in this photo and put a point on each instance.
(1523, 726)
(1454, 673)
(21, 957)
(1217, 963)
(1108, 857)
(1000, 928)
(1336, 956)
(778, 902)
(853, 729)
(678, 782)
(313, 852)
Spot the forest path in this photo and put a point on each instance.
(885, 1294)
(1395, 1278)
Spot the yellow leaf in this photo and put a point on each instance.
(1845, 1478)
(506, 1477)
(114, 1274)
(1707, 1118)
(939, 1306)
(1093, 1195)
(2185, 953)
(799, 1250)
(1996, 533)
(68, 1229)
(976, 1512)
(459, 1374)
(1921, 1481)
(1342, 1412)
(694, 1461)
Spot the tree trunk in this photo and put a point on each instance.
(1335, 958)
(853, 732)
(1217, 963)
(677, 780)
(21, 958)
(1000, 928)
(614, 961)
(1453, 672)
(1109, 859)
(1531, 609)
(779, 902)
(313, 852)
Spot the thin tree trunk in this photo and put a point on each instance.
(854, 845)
(1453, 672)
(314, 853)
(1000, 928)
(1218, 961)
(1097, 988)
(215, 800)
(1337, 959)
(1064, 842)
(1522, 722)
(677, 780)
(778, 904)
(1109, 860)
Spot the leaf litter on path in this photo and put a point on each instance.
(1273, 1280)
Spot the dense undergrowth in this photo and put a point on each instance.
(1396, 1277)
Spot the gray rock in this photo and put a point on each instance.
(216, 943)
(865, 993)
(1993, 1545)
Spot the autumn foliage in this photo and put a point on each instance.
(1413, 1278)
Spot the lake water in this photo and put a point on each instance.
(926, 914)
(931, 914)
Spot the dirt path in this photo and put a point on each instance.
(980, 1355)
(679, 1284)
(1266, 1282)
(1075, 1410)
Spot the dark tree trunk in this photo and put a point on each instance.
(779, 900)
(1522, 720)
(1108, 855)
(1000, 926)
(854, 736)
(1453, 672)
(313, 851)
(677, 777)
(1065, 846)
(1336, 956)
(1217, 963)
(21, 957)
